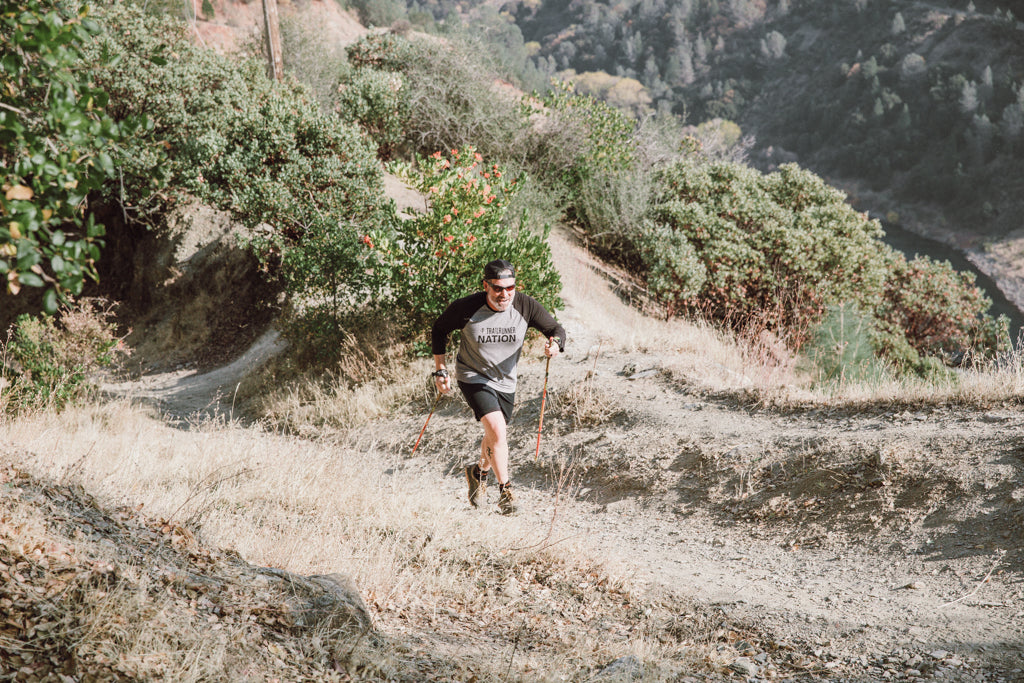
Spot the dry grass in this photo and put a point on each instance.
(371, 378)
(983, 386)
(758, 365)
(585, 405)
(455, 592)
(754, 363)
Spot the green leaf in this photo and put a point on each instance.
(30, 279)
(106, 163)
(50, 301)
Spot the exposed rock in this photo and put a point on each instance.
(744, 666)
(322, 602)
(626, 668)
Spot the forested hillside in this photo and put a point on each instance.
(923, 101)
(314, 242)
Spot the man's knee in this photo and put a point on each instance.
(494, 425)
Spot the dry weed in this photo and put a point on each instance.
(584, 404)
(372, 377)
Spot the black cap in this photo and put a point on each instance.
(499, 270)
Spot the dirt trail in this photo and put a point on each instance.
(185, 393)
(874, 533)
(888, 541)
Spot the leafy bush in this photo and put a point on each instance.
(728, 242)
(451, 98)
(675, 273)
(57, 144)
(424, 263)
(46, 362)
(590, 151)
(784, 242)
(261, 149)
(931, 310)
(376, 100)
(307, 183)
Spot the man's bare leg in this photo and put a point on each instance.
(494, 449)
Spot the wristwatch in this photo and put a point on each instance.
(440, 373)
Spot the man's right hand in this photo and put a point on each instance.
(443, 382)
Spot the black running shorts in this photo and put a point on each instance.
(484, 399)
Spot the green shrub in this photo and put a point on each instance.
(46, 362)
(675, 273)
(728, 242)
(931, 310)
(842, 347)
(234, 137)
(384, 51)
(305, 182)
(450, 92)
(785, 244)
(57, 145)
(376, 100)
(424, 263)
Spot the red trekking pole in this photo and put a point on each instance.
(543, 400)
(436, 399)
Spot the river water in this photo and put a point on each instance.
(912, 244)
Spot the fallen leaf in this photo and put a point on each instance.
(20, 192)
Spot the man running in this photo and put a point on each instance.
(493, 324)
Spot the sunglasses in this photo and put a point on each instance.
(497, 289)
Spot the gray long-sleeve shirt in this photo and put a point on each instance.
(492, 340)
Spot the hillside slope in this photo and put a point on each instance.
(854, 542)
(675, 526)
(235, 24)
(878, 533)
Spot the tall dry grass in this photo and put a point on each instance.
(420, 556)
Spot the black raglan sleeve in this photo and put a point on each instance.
(453, 318)
(539, 318)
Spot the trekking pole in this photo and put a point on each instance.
(437, 397)
(543, 400)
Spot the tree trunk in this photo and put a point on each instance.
(273, 34)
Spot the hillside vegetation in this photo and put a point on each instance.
(769, 450)
(705, 235)
(919, 101)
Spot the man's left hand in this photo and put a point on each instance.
(552, 349)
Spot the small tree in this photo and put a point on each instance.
(773, 46)
(57, 144)
(912, 66)
(969, 97)
(419, 265)
(898, 26)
